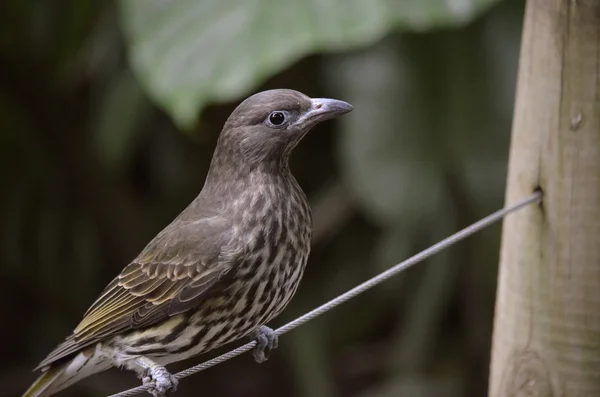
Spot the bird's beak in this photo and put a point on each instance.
(325, 109)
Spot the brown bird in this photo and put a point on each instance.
(227, 265)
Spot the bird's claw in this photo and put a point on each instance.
(266, 340)
(161, 381)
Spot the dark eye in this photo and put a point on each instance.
(277, 118)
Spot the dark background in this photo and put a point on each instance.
(94, 165)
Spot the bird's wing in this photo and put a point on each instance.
(173, 274)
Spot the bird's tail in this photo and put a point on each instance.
(60, 375)
(43, 385)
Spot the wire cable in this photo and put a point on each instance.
(421, 256)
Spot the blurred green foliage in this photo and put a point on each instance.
(94, 167)
(188, 53)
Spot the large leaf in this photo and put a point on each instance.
(189, 52)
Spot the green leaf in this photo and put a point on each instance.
(187, 52)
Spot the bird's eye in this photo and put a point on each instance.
(277, 118)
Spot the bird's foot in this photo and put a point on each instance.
(266, 340)
(161, 381)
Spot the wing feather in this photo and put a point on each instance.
(120, 298)
(172, 275)
(165, 292)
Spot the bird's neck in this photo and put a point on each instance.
(232, 184)
(231, 171)
(231, 164)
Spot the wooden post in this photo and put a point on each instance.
(547, 324)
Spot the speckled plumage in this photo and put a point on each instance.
(228, 264)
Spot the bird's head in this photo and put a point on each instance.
(268, 125)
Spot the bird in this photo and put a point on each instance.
(221, 270)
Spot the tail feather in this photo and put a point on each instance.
(60, 375)
(43, 385)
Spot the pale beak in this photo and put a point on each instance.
(325, 109)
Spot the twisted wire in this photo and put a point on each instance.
(378, 279)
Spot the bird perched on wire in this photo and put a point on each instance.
(229, 263)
